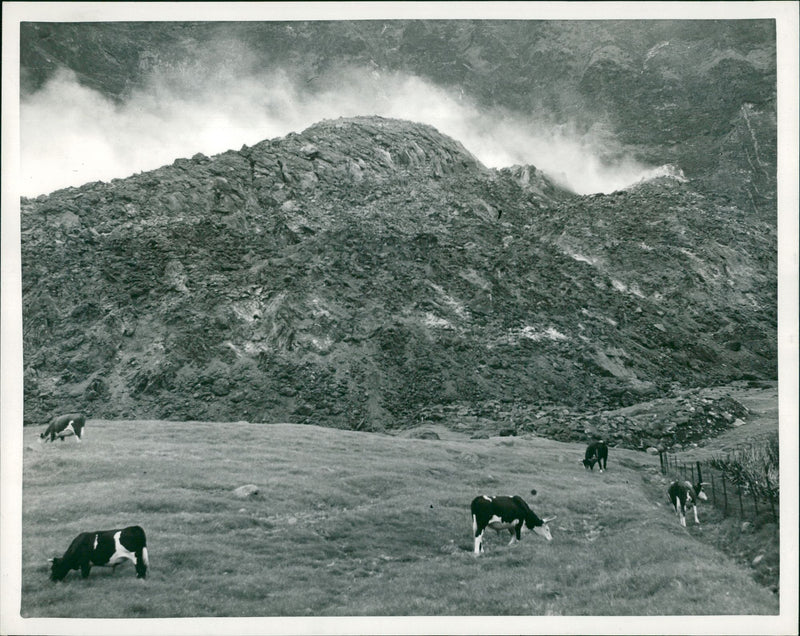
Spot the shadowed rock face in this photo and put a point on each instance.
(369, 272)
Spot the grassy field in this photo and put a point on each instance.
(351, 524)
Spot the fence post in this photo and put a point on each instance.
(770, 498)
(692, 467)
(713, 491)
(725, 494)
(741, 506)
(755, 497)
(661, 460)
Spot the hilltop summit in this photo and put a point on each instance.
(698, 94)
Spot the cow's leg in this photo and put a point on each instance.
(513, 537)
(479, 543)
(141, 564)
(85, 568)
(478, 534)
(676, 506)
(683, 515)
(696, 520)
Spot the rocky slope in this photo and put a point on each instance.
(369, 272)
(699, 94)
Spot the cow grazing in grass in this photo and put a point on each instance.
(596, 452)
(505, 513)
(107, 548)
(683, 495)
(64, 426)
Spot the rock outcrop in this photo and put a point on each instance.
(367, 271)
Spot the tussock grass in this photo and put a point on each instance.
(350, 523)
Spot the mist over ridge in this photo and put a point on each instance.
(72, 134)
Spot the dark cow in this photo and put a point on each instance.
(683, 495)
(107, 548)
(505, 513)
(596, 452)
(64, 426)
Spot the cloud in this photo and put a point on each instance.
(71, 134)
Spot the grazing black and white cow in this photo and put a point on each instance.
(107, 548)
(596, 452)
(505, 513)
(64, 426)
(683, 495)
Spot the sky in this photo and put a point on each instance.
(71, 134)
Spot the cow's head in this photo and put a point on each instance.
(588, 464)
(58, 569)
(694, 492)
(539, 526)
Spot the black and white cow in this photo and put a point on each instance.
(596, 452)
(64, 426)
(683, 495)
(107, 548)
(505, 513)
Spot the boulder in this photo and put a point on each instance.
(424, 434)
(248, 490)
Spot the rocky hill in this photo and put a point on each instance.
(699, 94)
(367, 273)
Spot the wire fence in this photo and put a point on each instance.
(744, 497)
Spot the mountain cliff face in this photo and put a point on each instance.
(699, 94)
(368, 271)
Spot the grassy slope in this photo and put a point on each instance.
(354, 523)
